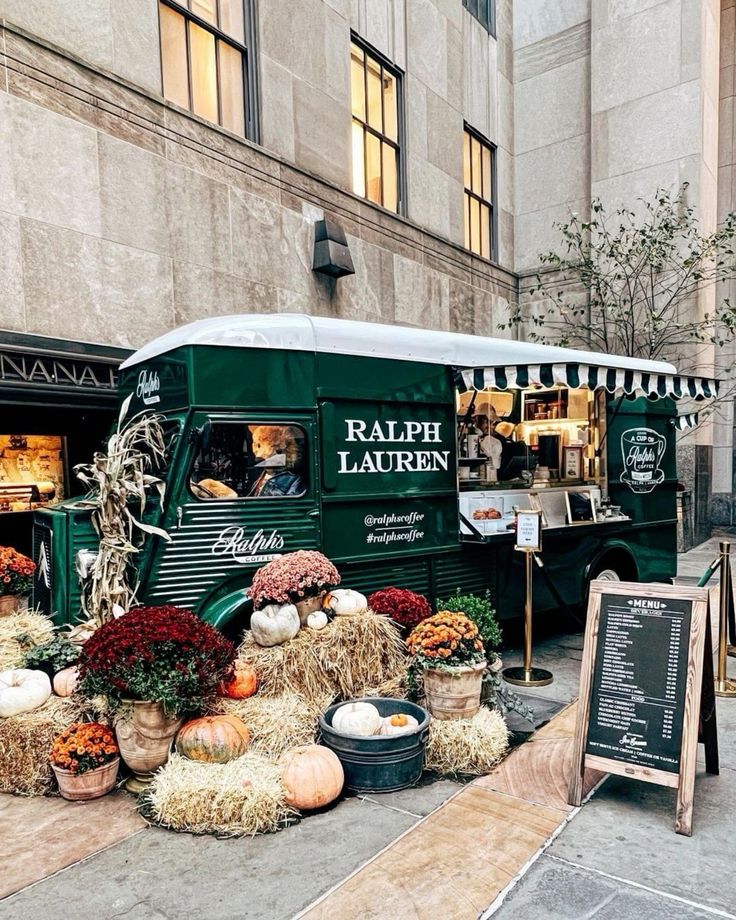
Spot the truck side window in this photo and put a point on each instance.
(251, 461)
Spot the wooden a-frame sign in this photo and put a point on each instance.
(646, 689)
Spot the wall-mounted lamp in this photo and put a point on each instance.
(331, 253)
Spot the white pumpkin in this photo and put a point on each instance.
(275, 624)
(317, 620)
(357, 719)
(406, 723)
(345, 601)
(22, 690)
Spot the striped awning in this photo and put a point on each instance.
(588, 376)
(684, 421)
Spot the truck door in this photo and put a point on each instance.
(245, 495)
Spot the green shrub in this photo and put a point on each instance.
(481, 611)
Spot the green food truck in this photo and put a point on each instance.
(402, 454)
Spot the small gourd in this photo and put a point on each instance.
(22, 690)
(312, 776)
(213, 739)
(357, 719)
(275, 624)
(65, 682)
(398, 724)
(345, 601)
(317, 620)
(243, 684)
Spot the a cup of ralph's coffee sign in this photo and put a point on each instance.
(642, 450)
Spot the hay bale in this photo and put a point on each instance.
(25, 743)
(350, 654)
(237, 799)
(471, 746)
(276, 723)
(20, 632)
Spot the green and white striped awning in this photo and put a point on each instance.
(589, 376)
(684, 421)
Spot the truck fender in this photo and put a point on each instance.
(613, 550)
(220, 612)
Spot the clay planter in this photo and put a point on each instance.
(454, 693)
(144, 733)
(10, 603)
(80, 787)
(309, 605)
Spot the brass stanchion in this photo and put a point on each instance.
(724, 686)
(527, 676)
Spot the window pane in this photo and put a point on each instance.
(475, 158)
(357, 84)
(373, 168)
(232, 102)
(466, 211)
(231, 19)
(358, 160)
(466, 159)
(390, 106)
(486, 173)
(206, 9)
(204, 72)
(390, 178)
(474, 225)
(374, 95)
(485, 231)
(174, 56)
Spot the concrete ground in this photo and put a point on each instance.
(617, 858)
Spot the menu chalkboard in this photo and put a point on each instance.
(646, 686)
(639, 679)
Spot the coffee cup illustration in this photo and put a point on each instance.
(642, 450)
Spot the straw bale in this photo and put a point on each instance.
(20, 632)
(241, 798)
(276, 723)
(25, 743)
(351, 654)
(471, 746)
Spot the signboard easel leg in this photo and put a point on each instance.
(528, 676)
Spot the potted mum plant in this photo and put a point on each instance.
(16, 579)
(85, 761)
(404, 607)
(448, 651)
(153, 665)
(301, 578)
(481, 611)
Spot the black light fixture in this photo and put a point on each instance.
(331, 253)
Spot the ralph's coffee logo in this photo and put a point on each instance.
(259, 547)
(148, 388)
(642, 450)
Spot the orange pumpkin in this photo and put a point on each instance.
(213, 739)
(65, 682)
(243, 684)
(312, 776)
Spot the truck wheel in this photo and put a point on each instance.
(607, 574)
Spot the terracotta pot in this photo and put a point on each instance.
(454, 693)
(309, 605)
(144, 734)
(80, 787)
(10, 603)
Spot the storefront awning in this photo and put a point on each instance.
(685, 421)
(588, 376)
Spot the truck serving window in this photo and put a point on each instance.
(251, 461)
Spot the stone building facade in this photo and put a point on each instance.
(123, 214)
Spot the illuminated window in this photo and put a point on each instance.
(205, 61)
(375, 90)
(478, 171)
(484, 11)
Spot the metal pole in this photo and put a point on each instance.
(724, 686)
(528, 676)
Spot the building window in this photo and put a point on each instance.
(484, 11)
(478, 171)
(376, 104)
(205, 63)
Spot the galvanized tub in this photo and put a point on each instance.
(379, 763)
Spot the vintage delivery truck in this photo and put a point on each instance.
(401, 453)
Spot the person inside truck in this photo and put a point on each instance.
(279, 452)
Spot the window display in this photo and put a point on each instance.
(31, 471)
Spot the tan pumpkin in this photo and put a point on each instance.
(213, 739)
(312, 776)
(65, 682)
(398, 724)
(243, 684)
(22, 690)
(344, 602)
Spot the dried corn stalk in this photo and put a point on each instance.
(118, 483)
